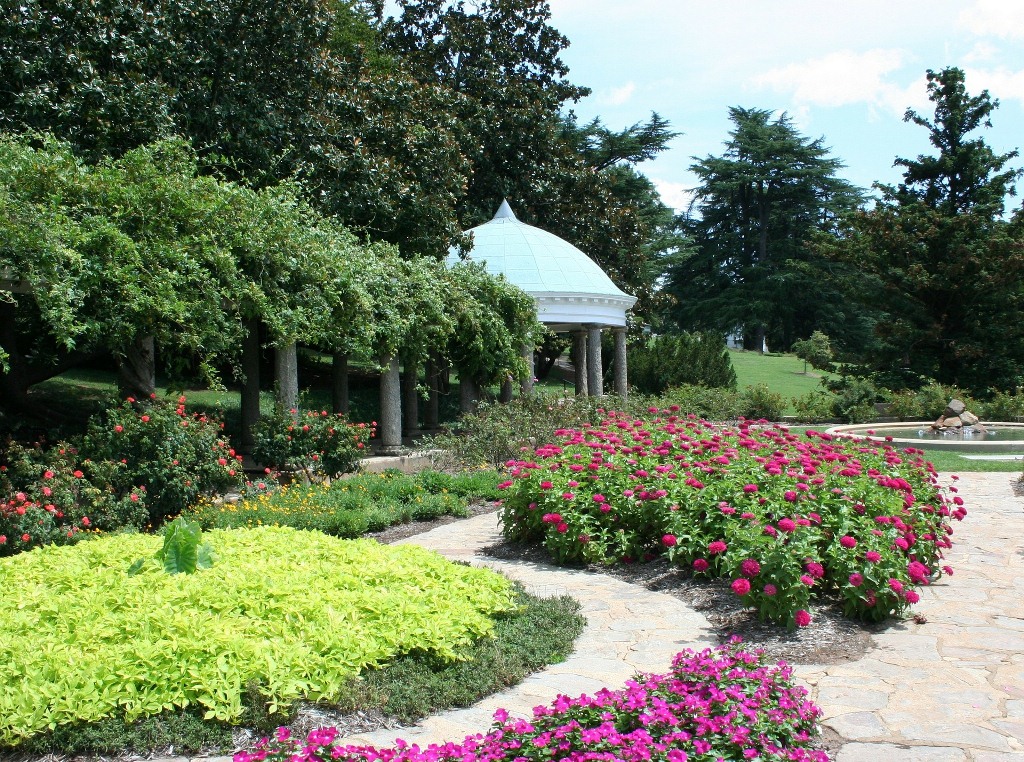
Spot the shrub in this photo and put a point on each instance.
(350, 507)
(785, 518)
(854, 398)
(321, 444)
(814, 407)
(55, 496)
(721, 704)
(292, 614)
(927, 402)
(497, 432)
(714, 404)
(759, 402)
(1004, 406)
(174, 456)
(696, 359)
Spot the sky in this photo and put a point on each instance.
(843, 70)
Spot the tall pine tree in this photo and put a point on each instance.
(755, 209)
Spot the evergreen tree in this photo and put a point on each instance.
(755, 208)
(937, 257)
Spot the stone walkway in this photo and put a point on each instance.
(947, 690)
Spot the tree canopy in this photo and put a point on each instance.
(937, 258)
(753, 212)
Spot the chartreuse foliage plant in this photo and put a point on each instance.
(724, 704)
(287, 613)
(786, 518)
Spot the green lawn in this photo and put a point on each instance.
(783, 374)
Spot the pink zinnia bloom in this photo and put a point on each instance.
(856, 579)
(910, 596)
(700, 565)
(873, 556)
(750, 568)
(790, 496)
(901, 543)
(807, 580)
(802, 618)
(599, 498)
(770, 590)
(787, 525)
(847, 542)
(717, 547)
(668, 540)
(562, 528)
(545, 485)
(815, 569)
(749, 488)
(740, 586)
(896, 586)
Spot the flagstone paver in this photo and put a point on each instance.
(950, 689)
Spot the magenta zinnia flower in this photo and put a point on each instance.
(847, 542)
(740, 586)
(750, 568)
(802, 618)
(717, 547)
(700, 565)
(856, 579)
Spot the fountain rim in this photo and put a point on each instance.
(859, 431)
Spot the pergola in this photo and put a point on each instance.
(573, 294)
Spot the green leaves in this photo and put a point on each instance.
(295, 613)
(182, 552)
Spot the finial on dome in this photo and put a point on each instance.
(504, 211)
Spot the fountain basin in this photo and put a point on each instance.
(999, 436)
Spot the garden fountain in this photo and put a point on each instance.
(956, 429)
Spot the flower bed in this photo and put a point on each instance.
(785, 518)
(288, 614)
(724, 704)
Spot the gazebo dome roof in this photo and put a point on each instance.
(569, 287)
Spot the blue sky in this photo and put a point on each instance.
(845, 71)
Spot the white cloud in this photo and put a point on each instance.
(674, 195)
(982, 51)
(839, 79)
(1001, 18)
(1002, 83)
(616, 96)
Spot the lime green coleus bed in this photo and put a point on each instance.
(298, 613)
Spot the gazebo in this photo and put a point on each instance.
(573, 294)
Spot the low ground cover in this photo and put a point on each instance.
(354, 506)
(722, 704)
(282, 613)
(786, 519)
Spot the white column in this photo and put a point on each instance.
(595, 373)
(621, 378)
(579, 360)
(389, 427)
(526, 386)
(286, 374)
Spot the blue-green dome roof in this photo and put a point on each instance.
(570, 288)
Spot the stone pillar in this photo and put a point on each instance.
(431, 414)
(469, 394)
(286, 375)
(526, 386)
(389, 427)
(339, 382)
(410, 398)
(621, 378)
(595, 373)
(250, 383)
(579, 360)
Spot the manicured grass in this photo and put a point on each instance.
(783, 374)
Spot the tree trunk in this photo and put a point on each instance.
(136, 370)
(286, 372)
(410, 398)
(339, 382)
(250, 383)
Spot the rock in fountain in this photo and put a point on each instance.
(955, 417)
